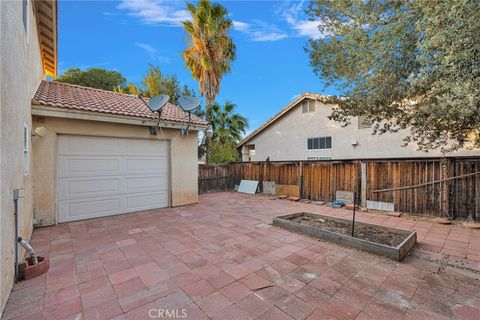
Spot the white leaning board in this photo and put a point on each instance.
(248, 186)
(381, 206)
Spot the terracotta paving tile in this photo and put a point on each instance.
(325, 285)
(60, 295)
(254, 305)
(234, 313)
(235, 291)
(128, 287)
(63, 309)
(222, 254)
(296, 308)
(106, 310)
(340, 310)
(121, 276)
(199, 289)
(381, 310)
(214, 303)
(275, 314)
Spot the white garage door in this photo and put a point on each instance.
(100, 176)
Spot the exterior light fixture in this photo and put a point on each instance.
(209, 131)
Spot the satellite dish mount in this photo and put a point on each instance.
(156, 104)
(188, 104)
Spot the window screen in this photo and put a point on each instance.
(308, 106)
(319, 143)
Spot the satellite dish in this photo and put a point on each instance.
(188, 103)
(158, 102)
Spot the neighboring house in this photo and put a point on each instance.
(302, 131)
(74, 152)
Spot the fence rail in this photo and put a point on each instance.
(419, 186)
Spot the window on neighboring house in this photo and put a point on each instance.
(319, 143)
(308, 106)
(25, 14)
(364, 123)
(26, 155)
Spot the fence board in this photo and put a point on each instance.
(319, 180)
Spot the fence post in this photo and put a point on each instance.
(451, 187)
(363, 184)
(301, 179)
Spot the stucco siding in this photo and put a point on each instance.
(183, 159)
(21, 72)
(286, 139)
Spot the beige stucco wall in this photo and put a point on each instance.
(183, 159)
(286, 139)
(20, 74)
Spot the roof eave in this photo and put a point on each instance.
(58, 112)
(46, 12)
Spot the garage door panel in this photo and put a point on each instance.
(98, 177)
(82, 167)
(150, 165)
(149, 183)
(83, 145)
(91, 207)
(147, 147)
(71, 189)
(147, 201)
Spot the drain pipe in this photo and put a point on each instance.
(16, 196)
(29, 250)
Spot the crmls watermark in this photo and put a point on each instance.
(167, 313)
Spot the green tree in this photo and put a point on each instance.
(94, 78)
(210, 50)
(403, 65)
(228, 127)
(129, 89)
(155, 82)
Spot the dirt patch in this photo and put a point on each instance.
(376, 234)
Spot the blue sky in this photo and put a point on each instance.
(271, 67)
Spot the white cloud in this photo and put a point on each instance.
(260, 31)
(295, 17)
(168, 13)
(240, 26)
(152, 52)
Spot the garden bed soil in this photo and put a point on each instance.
(371, 233)
(385, 241)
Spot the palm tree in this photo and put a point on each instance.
(228, 126)
(211, 50)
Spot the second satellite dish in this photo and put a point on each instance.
(188, 103)
(158, 102)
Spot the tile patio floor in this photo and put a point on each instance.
(211, 261)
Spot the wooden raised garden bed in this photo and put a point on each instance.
(385, 241)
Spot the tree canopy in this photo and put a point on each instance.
(403, 65)
(94, 77)
(228, 127)
(210, 51)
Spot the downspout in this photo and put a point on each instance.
(16, 196)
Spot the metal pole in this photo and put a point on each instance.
(354, 208)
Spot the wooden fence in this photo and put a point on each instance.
(420, 186)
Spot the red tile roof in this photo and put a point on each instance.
(69, 96)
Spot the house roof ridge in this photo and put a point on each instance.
(290, 105)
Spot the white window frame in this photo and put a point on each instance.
(309, 106)
(26, 18)
(26, 150)
(331, 143)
